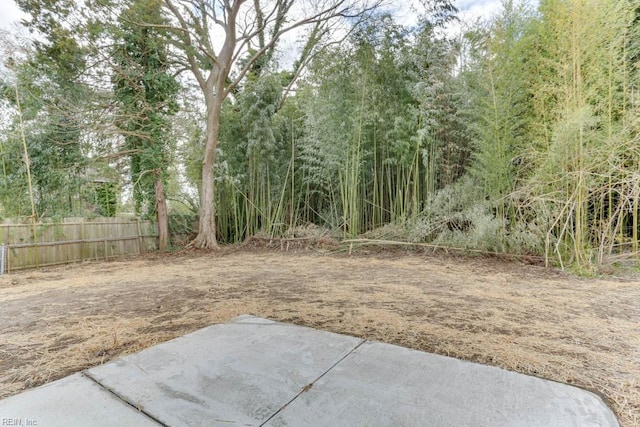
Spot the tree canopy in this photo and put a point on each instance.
(517, 134)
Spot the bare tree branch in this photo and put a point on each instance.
(334, 11)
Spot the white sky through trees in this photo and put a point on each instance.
(9, 14)
(469, 10)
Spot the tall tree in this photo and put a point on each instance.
(47, 86)
(214, 36)
(145, 91)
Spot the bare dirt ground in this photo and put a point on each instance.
(523, 318)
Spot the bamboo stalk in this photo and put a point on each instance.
(27, 163)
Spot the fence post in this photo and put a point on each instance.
(82, 241)
(140, 239)
(3, 251)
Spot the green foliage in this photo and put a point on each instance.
(584, 93)
(253, 162)
(384, 126)
(145, 91)
(67, 103)
(550, 102)
(500, 83)
(48, 117)
(106, 199)
(519, 137)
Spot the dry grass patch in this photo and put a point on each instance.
(523, 318)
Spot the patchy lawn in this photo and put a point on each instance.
(520, 317)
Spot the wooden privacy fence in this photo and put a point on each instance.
(74, 240)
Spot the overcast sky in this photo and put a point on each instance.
(9, 13)
(469, 9)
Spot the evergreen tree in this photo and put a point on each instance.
(145, 91)
(48, 89)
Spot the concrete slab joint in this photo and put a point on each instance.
(258, 372)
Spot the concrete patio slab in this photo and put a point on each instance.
(239, 373)
(74, 401)
(256, 372)
(385, 385)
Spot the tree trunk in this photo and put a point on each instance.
(206, 238)
(162, 216)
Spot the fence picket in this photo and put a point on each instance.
(74, 240)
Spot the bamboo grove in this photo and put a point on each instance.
(519, 135)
